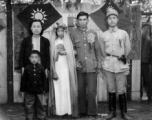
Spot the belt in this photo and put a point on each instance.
(122, 58)
(112, 55)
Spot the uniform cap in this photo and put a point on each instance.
(111, 11)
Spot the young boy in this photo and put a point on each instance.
(34, 85)
(117, 47)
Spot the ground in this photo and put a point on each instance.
(137, 110)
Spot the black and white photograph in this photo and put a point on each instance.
(76, 59)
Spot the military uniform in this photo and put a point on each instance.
(34, 84)
(88, 55)
(117, 47)
(117, 43)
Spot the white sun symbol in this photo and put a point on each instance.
(39, 14)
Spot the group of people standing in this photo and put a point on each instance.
(74, 60)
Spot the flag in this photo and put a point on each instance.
(99, 17)
(45, 12)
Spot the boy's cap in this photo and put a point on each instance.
(36, 52)
(111, 11)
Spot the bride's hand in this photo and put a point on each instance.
(62, 52)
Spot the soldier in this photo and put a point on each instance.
(117, 47)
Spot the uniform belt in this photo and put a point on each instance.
(112, 55)
(122, 58)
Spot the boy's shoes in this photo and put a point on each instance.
(125, 116)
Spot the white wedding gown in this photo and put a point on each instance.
(62, 85)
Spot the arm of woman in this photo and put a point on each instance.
(55, 76)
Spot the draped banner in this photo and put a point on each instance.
(44, 12)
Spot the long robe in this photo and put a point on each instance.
(72, 73)
(62, 84)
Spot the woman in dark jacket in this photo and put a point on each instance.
(35, 42)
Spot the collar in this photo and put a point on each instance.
(31, 38)
(113, 29)
(58, 38)
(83, 30)
(36, 37)
(35, 64)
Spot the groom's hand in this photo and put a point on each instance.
(78, 65)
(46, 73)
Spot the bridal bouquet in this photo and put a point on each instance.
(60, 47)
(60, 51)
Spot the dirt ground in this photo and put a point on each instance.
(137, 110)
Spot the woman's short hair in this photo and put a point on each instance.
(82, 13)
(30, 25)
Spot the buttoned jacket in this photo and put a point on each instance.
(88, 54)
(116, 43)
(34, 79)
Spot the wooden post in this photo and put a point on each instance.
(136, 52)
(9, 53)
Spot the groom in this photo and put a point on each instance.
(88, 54)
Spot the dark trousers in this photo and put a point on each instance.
(34, 106)
(87, 92)
(145, 72)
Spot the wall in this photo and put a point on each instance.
(3, 57)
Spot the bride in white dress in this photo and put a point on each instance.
(62, 85)
(65, 87)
